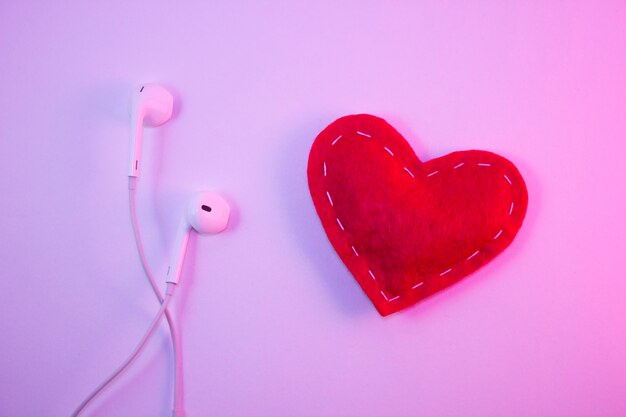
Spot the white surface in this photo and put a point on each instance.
(272, 324)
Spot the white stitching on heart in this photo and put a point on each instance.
(387, 298)
(330, 200)
(472, 255)
(413, 176)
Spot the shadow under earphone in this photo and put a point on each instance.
(291, 178)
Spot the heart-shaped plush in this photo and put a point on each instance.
(407, 229)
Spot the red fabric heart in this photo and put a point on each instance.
(407, 229)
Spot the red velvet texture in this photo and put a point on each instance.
(407, 229)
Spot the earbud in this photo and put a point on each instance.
(152, 105)
(207, 213)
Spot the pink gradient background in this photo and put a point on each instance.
(272, 323)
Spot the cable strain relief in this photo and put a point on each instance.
(169, 290)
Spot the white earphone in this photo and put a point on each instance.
(152, 105)
(207, 213)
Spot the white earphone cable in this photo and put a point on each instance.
(133, 355)
(170, 321)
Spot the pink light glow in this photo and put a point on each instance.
(271, 322)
